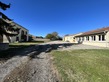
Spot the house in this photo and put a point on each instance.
(22, 36)
(7, 30)
(70, 38)
(98, 37)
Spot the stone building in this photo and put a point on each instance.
(23, 35)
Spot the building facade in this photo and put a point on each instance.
(22, 36)
(71, 38)
(98, 37)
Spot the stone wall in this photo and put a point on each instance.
(97, 43)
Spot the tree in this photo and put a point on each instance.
(6, 24)
(4, 6)
(53, 36)
(49, 36)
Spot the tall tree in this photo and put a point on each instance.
(49, 36)
(6, 25)
(53, 36)
(4, 6)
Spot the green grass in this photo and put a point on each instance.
(82, 65)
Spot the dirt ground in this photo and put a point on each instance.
(35, 70)
(34, 64)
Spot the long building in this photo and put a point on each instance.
(98, 37)
(71, 38)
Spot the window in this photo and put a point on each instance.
(87, 38)
(99, 37)
(94, 38)
(17, 38)
(79, 38)
(26, 32)
(103, 37)
(82, 38)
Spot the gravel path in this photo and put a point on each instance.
(16, 61)
(36, 70)
(82, 46)
(35, 64)
(11, 65)
(33, 67)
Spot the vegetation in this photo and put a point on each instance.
(5, 23)
(53, 36)
(82, 65)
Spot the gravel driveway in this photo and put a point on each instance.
(82, 46)
(36, 70)
(37, 65)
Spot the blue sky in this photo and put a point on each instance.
(63, 16)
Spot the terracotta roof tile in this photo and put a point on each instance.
(95, 31)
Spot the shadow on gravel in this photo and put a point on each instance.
(15, 50)
(32, 50)
(48, 48)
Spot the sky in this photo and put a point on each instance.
(41, 17)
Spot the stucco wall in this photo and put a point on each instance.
(97, 42)
(6, 39)
(107, 36)
(13, 39)
(26, 32)
(100, 44)
(69, 39)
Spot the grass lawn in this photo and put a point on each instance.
(82, 65)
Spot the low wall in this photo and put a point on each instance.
(44, 40)
(4, 46)
(100, 43)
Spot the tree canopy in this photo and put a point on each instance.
(53, 36)
(4, 6)
(6, 26)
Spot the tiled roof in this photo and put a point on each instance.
(95, 31)
(73, 34)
